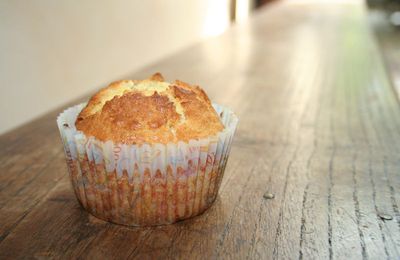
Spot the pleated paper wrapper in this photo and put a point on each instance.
(148, 184)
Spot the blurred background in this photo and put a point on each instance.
(384, 18)
(53, 52)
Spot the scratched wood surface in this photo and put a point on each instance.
(319, 129)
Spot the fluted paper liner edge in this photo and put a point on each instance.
(148, 184)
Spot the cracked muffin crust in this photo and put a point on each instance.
(149, 111)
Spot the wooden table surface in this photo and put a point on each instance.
(319, 128)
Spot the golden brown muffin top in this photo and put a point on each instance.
(149, 111)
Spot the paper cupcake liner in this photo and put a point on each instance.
(149, 184)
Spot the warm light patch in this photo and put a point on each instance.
(242, 11)
(217, 17)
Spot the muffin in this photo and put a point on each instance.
(147, 152)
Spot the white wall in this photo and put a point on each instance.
(52, 52)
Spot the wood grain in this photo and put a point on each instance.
(319, 128)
